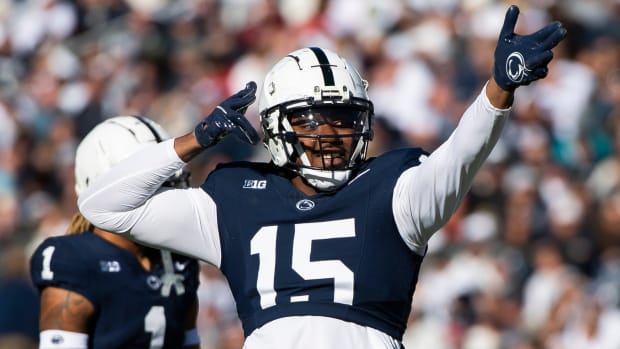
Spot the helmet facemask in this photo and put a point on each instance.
(291, 133)
(316, 86)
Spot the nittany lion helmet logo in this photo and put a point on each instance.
(515, 67)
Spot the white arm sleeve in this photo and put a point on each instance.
(127, 199)
(427, 195)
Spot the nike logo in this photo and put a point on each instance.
(359, 175)
(181, 266)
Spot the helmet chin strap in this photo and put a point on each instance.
(325, 180)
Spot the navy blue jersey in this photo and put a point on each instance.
(331, 254)
(131, 306)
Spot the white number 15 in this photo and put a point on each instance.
(264, 244)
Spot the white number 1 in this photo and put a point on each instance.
(46, 270)
(264, 244)
(155, 324)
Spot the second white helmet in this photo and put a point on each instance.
(112, 141)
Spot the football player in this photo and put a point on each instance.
(321, 246)
(100, 290)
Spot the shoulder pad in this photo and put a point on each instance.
(59, 262)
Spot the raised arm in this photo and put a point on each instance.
(227, 118)
(425, 197)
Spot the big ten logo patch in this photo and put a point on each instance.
(255, 184)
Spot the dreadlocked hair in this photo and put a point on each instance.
(78, 225)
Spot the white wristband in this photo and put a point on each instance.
(59, 339)
(191, 337)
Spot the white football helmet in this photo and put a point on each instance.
(314, 81)
(112, 141)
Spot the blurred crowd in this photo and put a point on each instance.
(532, 258)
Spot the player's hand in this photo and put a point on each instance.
(521, 59)
(228, 118)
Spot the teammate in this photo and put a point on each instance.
(100, 290)
(321, 246)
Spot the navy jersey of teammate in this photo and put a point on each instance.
(134, 308)
(321, 246)
(100, 290)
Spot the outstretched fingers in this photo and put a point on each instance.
(539, 60)
(244, 107)
(242, 99)
(543, 33)
(510, 21)
(555, 36)
(243, 129)
(249, 89)
(521, 59)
